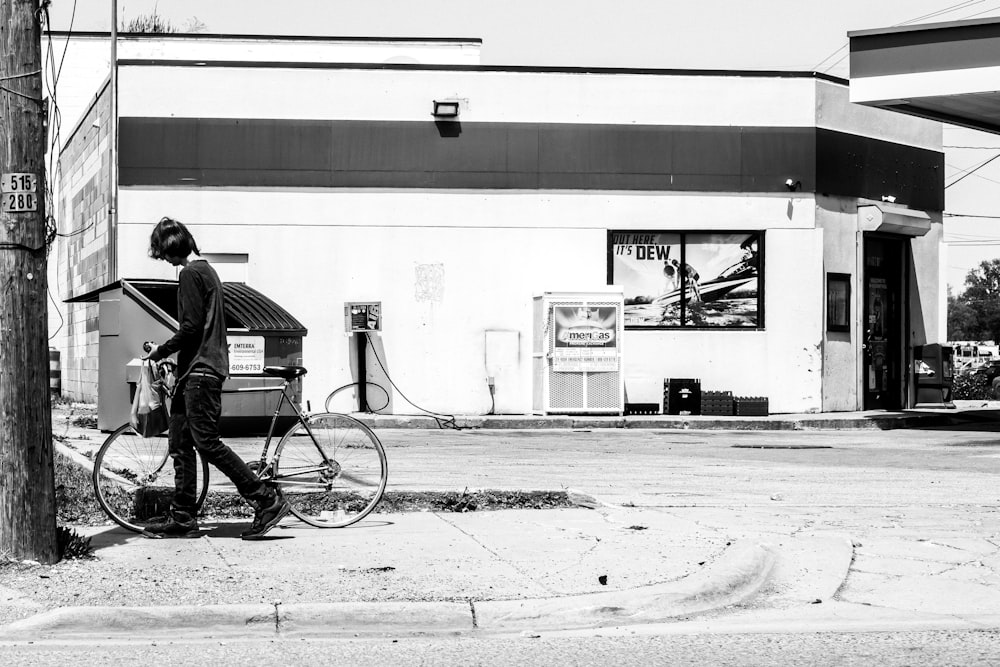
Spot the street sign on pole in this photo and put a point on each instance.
(19, 192)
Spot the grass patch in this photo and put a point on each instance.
(75, 501)
(76, 504)
(471, 501)
(72, 545)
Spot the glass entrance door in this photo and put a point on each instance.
(883, 324)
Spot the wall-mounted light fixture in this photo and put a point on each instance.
(445, 109)
(889, 198)
(793, 185)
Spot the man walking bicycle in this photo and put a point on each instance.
(202, 367)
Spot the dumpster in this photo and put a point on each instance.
(933, 367)
(259, 331)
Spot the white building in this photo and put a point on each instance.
(317, 174)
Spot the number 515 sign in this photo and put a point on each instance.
(19, 192)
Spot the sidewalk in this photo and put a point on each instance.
(869, 419)
(393, 574)
(606, 562)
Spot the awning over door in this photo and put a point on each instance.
(891, 219)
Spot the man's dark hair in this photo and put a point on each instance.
(171, 238)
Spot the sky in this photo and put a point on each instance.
(808, 35)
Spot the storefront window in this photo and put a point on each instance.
(688, 279)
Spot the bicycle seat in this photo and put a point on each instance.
(285, 372)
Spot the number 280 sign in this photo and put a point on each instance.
(19, 191)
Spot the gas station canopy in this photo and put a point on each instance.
(943, 71)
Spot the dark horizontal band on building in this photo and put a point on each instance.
(921, 49)
(241, 152)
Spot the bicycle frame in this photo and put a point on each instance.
(264, 470)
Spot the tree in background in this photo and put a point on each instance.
(962, 323)
(155, 23)
(975, 313)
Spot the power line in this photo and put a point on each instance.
(985, 11)
(956, 7)
(972, 171)
(939, 12)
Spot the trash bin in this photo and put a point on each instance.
(259, 331)
(933, 369)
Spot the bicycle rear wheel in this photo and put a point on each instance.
(134, 478)
(331, 469)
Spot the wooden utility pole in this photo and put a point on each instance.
(27, 494)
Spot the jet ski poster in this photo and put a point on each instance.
(715, 282)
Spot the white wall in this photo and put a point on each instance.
(782, 362)
(443, 285)
(535, 97)
(838, 218)
(448, 265)
(835, 111)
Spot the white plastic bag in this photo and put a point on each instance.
(149, 411)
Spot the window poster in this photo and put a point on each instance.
(678, 279)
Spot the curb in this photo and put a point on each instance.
(774, 423)
(736, 576)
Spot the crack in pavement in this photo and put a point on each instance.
(510, 564)
(220, 553)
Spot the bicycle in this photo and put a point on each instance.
(330, 467)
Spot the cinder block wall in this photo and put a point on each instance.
(83, 258)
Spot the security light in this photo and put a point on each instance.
(445, 109)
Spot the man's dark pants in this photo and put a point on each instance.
(194, 423)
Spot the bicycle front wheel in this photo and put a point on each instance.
(134, 478)
(331, 469)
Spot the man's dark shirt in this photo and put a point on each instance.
(201, 338)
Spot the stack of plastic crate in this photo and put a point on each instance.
(750, 406)
(717, 403)
(681, 396)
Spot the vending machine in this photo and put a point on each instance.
(577, 353)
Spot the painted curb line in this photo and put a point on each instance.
(737, 575)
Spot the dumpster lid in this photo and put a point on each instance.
(246, 308)
(257, 312)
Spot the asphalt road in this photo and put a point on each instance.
(964, 649)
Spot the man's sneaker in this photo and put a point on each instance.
(266, 518)
(176, 524)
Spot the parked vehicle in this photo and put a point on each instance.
(989, 374)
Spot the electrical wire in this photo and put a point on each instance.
(985, 11)
(447, 422)
(979, 176)
(971, 171)
(18, 76)
(54, 122)
(952, 8)
(326, 404)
